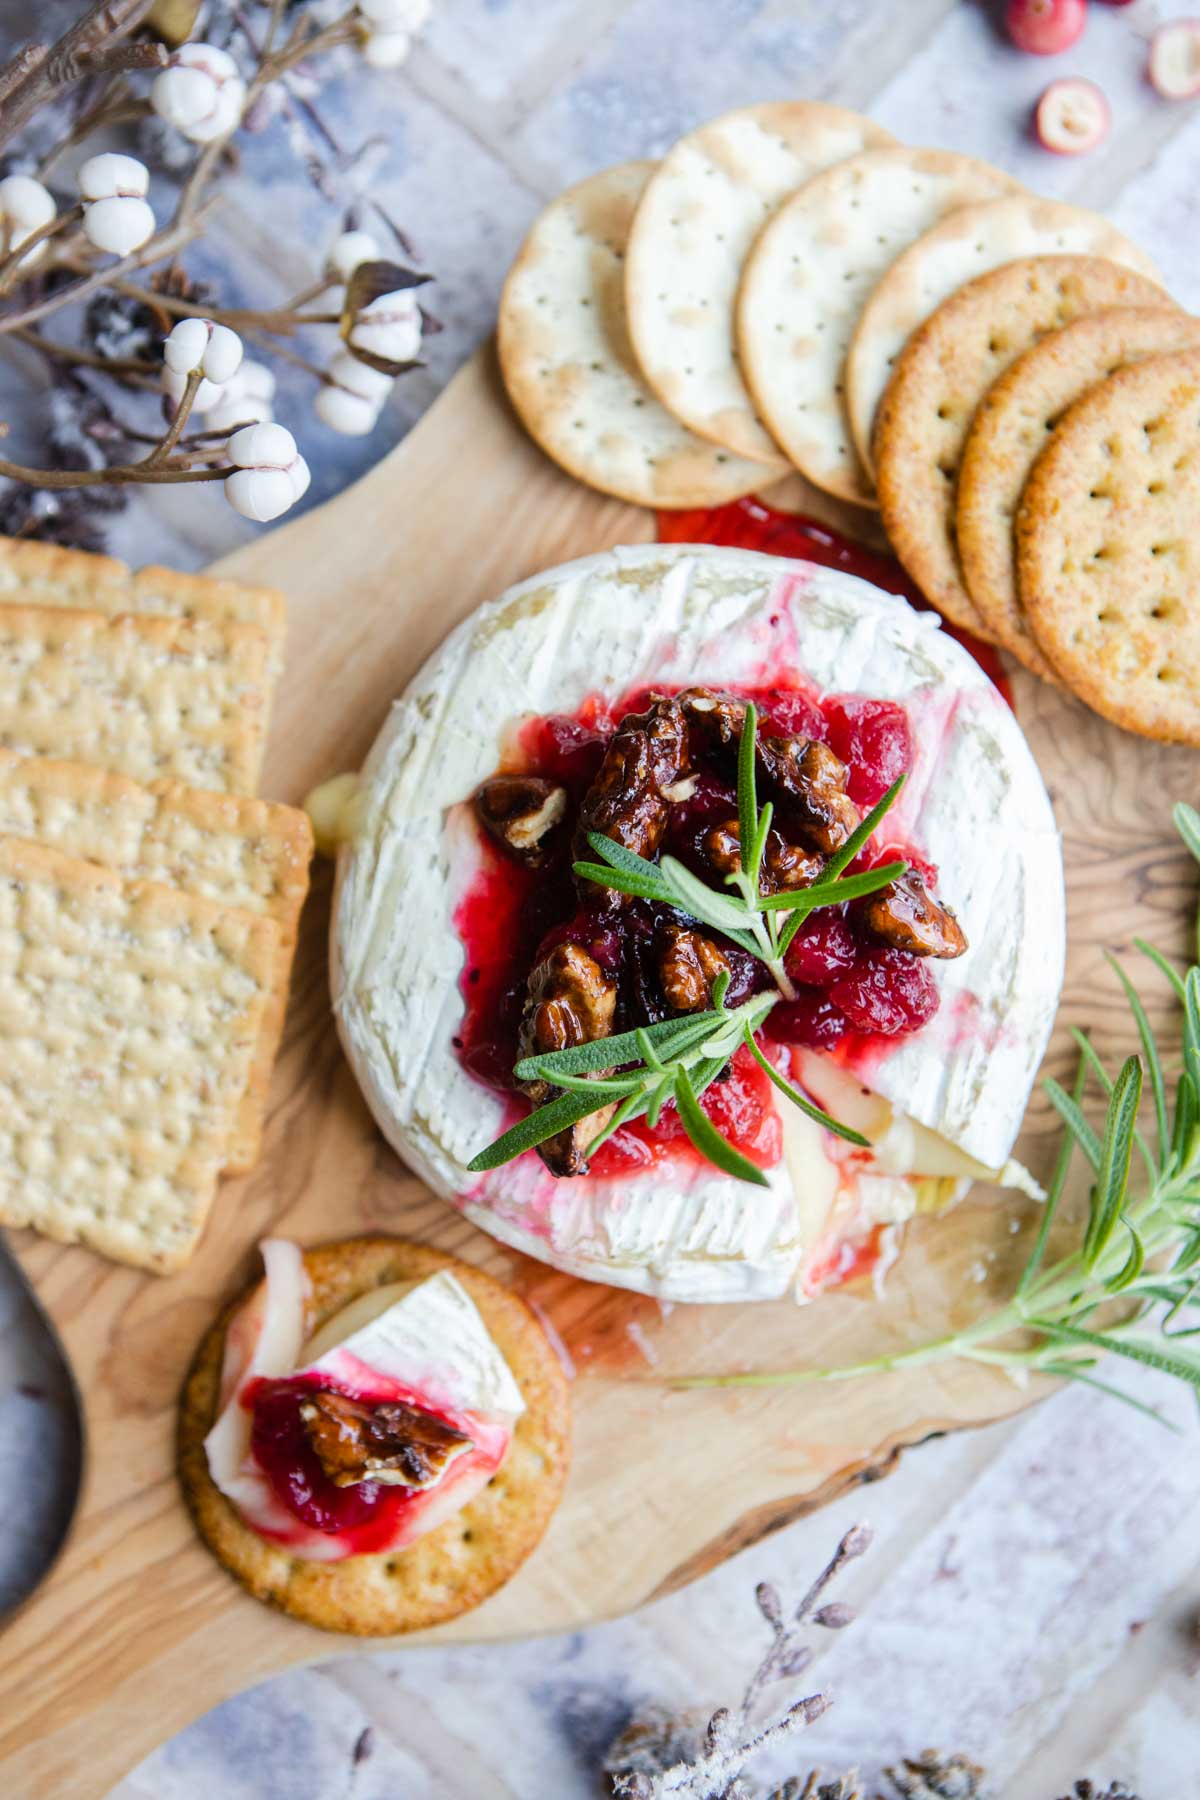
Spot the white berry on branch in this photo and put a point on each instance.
(116, 214)
(26, 207)
(269, 473)
(353, 395)
(200, 92)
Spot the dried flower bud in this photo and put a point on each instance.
(386, 49)
(389, 327)
(834, 1617)
(245, 398)
(25, 206)
(201, 344)
(269, 474)
(352, 396)
(117, 217)
(856, 1542)
(347, 251)
(769, 1603)
(796, 1661)
(200, 92)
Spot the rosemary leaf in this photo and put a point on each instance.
(1135, 1349)
(747, 793)
(1072, 1115)
(704, 1135)
(618, 857)
(1054, 1193)
(854, 843)
(558, 1115)
(702, 902)
(1153, 1060)
(831, 893)
(1112, 1174)
(801, 1100)
(642, 886)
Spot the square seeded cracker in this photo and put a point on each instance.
(33, 574)
(129, 1017)
(148, 697)
(245, 853)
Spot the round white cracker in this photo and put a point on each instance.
(712, 193)
(969, 243)
(810, 273)
(569, 369)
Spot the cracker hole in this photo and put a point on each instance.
(1163, 610)
(1167, 673)
(1155, 487)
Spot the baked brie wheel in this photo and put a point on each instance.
(606, 696)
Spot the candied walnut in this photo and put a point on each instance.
(784, 866)
(567, 1154)
(906, 915)
(570, 1001)
(688, 965)
(520, 812)
(643, 767)
(808, 778)
(811, 781)
(391, 1443)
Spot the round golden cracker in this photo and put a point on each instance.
(569, 369)
(944, 371)
(807, 277)
(695, 224)
(964, 246)
(1009, 432)
(1108, 561)
(464, 1559)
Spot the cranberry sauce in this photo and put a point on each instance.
(853, 992)
(753, 525)
(367, 1513)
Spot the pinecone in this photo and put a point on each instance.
(52, 515)
(843, 1787)
(116, 326)
(1087, 1790)
(935, 1776)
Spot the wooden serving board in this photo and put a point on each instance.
(136, 1630)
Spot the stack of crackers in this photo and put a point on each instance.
(789, 288)
(148, 903)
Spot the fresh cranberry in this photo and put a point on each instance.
(888, 992)
(873, 739)
(811, 1019)
(823, 948)
(1044, 27)
(791, 711)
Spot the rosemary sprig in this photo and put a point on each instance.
(1131, 1288)
(638, 1072)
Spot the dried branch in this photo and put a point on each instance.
(90, 47)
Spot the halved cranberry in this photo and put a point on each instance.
(823, 948)
(811, 1019)
(873, 739)
(792, 711)
(888, 992)
(560, 748)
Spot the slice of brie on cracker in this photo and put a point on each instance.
(401, 1390)
(945, 1103)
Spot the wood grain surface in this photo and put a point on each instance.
(136, 1630)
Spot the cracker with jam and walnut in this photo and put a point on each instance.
(362, 1474)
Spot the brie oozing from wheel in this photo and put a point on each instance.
(942, 1107)
(422, 1342)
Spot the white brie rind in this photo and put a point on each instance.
(424, 1339)
(974, 805)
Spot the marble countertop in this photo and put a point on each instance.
(1033, 1593)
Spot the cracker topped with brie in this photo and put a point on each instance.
(344, 1429)
(605, 701)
